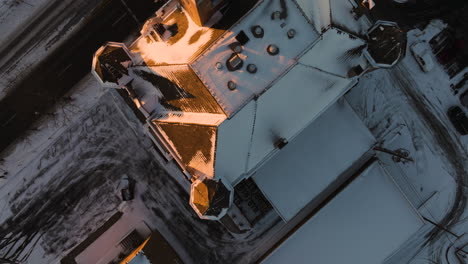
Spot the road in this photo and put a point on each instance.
(39, 91)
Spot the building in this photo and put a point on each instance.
(251, 99)
(354, 227)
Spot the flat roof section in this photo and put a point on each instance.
(363, 224)
(254, 51)
(316, 158)
(336, 53)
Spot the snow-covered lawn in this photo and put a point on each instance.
(69, 188)
(406, 108)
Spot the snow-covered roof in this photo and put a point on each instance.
(290, 106)
(318, 12)
(248, 139)
(315, 159)
(289, 87)
(254, 51)
(110, 65)
(172, 88)
(185, 45)
(193, 143)
(343, 16)
(363, 224)
(337, 13)
(336, 53)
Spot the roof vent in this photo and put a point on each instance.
(219, 65)
(272, 49)
(236, 47)
(252, 68)
(242, 38)
(231, 85)
(276, 15)
(281, 143)
(291, 33)
(234, 62)
(257, 31)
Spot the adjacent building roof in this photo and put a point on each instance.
(337, 13)
(316, 159)
(354, 227)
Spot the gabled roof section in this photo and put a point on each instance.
(233, 143)
(337, 13)
(203, 120)
(248, 139)
(343, 16)
(372, 208)
(194, 144)
(314, 160)
(336, 53)
(276, 17)
(173, 88)
(290, 105)
(318, 12)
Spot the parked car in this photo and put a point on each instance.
(458, 119)
(464, 99)
(127, 188)
(422, 56)
(459, 85)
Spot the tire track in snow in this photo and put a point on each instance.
(450, 146)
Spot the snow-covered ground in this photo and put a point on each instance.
(67, 187)
(406, 108)
(62, 177)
